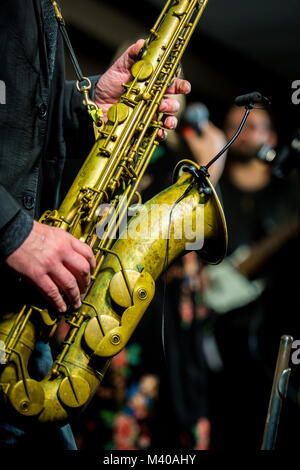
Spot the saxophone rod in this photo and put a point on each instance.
(278, 392)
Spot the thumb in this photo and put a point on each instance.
(130, 55)
(134, 50)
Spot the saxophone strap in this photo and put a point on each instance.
(83, 83)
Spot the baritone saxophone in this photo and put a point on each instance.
(127, 264)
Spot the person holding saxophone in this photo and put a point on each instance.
(39, 122)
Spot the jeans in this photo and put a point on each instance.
(37, 438)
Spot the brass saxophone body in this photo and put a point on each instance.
(127, 264)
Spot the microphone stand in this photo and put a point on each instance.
(278, 393)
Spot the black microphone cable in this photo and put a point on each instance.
(249, 100)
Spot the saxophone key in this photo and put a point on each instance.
(74, 391)
(119, 291)
(97, 328)
(142, 70)
(27, 397)
(117, 113)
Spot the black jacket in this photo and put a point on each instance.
(38, 122)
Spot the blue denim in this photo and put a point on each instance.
(37, 438)
(45, 439)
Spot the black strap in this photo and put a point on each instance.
(62, 27)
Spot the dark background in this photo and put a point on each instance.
(238, 47)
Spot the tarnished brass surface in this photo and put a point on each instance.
(118, 289)
(74, 391)
(127, 265)
(27, 397)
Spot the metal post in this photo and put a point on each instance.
(278, 393)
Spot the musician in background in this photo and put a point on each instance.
(247, 334)
(247, 180)
(198, 339)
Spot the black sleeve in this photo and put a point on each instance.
(76, 118)
(75, 111)
(15, 224)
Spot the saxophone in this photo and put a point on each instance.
(94, 210)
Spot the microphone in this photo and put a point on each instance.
(283, 160)
(267, 154)
(251, 98)
(195, 116)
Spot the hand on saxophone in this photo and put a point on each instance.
(54, 261)
(109, 88)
